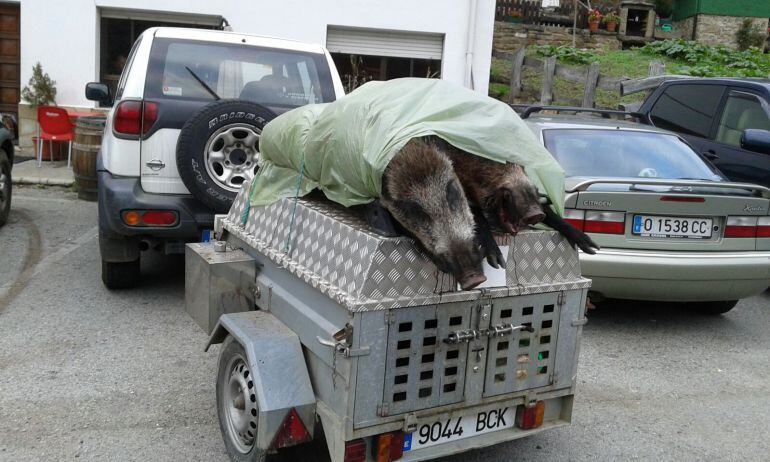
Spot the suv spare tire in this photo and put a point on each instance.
(218, 149)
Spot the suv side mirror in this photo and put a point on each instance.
(756, 140)
(100, 92)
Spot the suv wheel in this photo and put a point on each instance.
(218, 150)
(121, 275)
(5, 187)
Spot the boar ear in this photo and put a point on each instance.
(508, 203)
(454, 196)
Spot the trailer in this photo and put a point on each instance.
(334, 330)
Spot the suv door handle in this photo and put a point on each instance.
(710, 155)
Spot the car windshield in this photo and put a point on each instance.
(284, 78)
(625, 154)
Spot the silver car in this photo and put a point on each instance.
(671, 227)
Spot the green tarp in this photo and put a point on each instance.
(343, 147)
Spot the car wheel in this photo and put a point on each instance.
(218, 150)
(121, 275)
(5, 187)
(237, 405)
(715, 308)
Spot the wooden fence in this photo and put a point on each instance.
(531, 12)
(589, 76)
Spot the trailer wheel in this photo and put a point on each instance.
(237, 404)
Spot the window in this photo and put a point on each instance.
(742, 110)
(688, 109)
(118, 35)
(625, 154)
(355, 70)
(277, 78)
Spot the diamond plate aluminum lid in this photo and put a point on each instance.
(334, 250)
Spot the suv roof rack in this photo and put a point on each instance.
(527, 110)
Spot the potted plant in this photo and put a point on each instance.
(611, 19)
(516, 17)
(594, 17)
(40, 91)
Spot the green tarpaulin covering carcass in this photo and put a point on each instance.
(342, 148)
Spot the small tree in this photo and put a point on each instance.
(41, 89)
(749, 36)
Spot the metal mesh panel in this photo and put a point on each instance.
(523, 360)
(422, 371)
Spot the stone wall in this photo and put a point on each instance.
(721, 30)
(685, 27)
(510, 37)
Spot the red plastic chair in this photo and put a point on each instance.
(55, 125)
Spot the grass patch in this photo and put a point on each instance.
(679, 56)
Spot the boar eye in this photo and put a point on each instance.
(413, 211)
(453, 196)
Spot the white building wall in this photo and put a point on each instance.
(64, 34)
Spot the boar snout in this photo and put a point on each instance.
(463, 261)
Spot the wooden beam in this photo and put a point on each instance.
(517, 67)
(592, 79)
(549, 69)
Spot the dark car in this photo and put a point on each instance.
(726, 120)
(6, 164)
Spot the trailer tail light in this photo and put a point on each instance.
(389, 447)
(135, 117)
(528, 417)
(604, 222)
(152, 218)
(291, 433)
(741, 227)
(355, 451)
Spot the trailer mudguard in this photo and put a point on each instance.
(278, 369)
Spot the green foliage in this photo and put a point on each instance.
(749, 36)
(712, 61)
(566, 54)
(41, 89)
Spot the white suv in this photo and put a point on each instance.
(183, 133)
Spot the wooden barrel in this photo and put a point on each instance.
(88, 141)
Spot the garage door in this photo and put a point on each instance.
(375, 42)
(9, 58)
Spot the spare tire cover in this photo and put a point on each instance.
(218, 150)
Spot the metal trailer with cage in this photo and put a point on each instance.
(333, 330)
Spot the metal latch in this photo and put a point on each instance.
(462, 336)
(501, 330)
(343, 348)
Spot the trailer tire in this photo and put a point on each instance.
(235, 424)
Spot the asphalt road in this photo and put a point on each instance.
(92, 375)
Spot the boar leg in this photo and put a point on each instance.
(574, 236)
(488, 245)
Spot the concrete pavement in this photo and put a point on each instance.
(90, 374)
(49, 173)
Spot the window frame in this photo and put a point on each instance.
(720, 105)
(723, 106)
(159, 50)
(127, 69)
